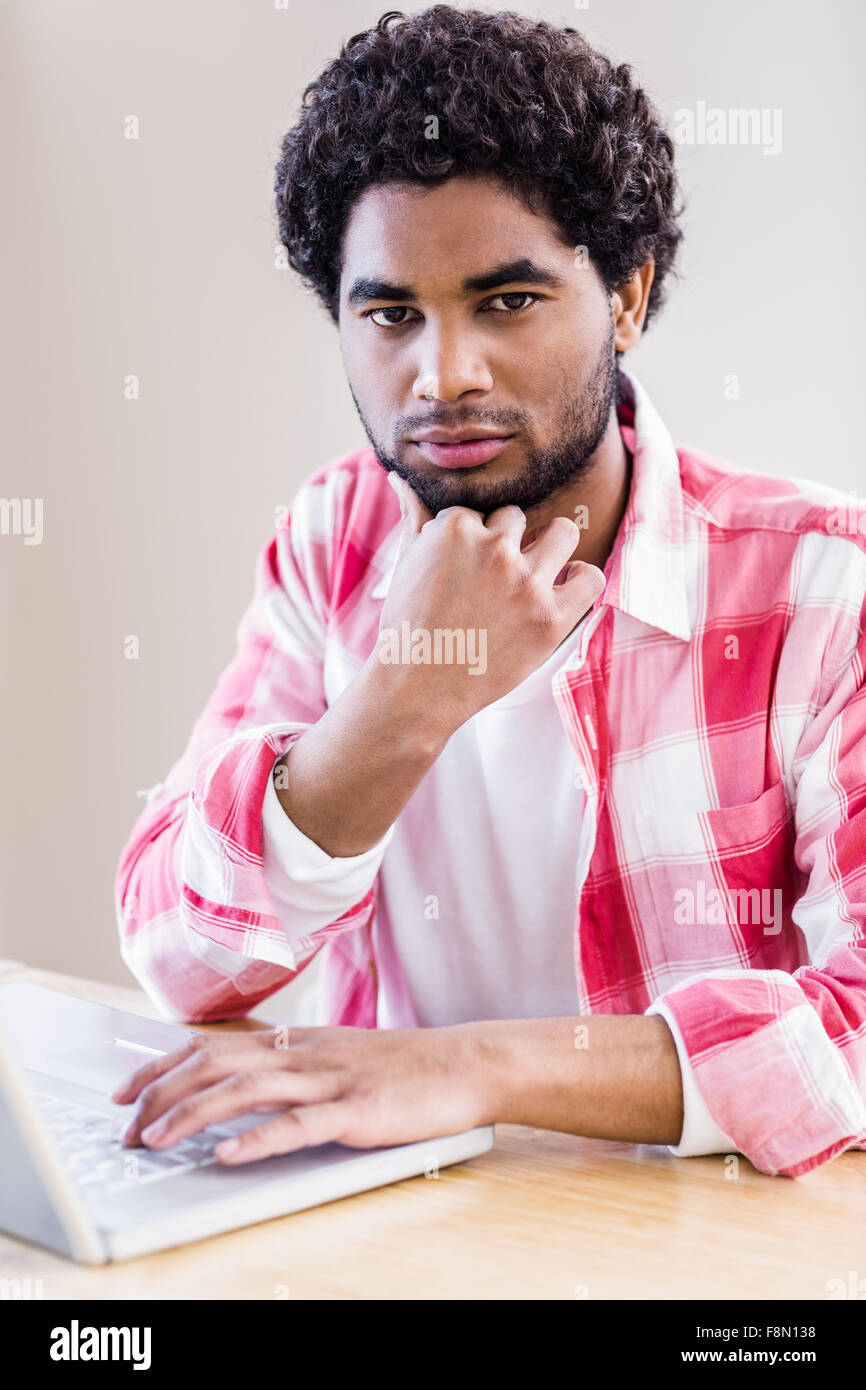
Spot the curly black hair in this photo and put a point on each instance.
(536, 105)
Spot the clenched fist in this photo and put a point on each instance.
(471, 610)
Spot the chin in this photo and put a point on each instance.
(481, 489)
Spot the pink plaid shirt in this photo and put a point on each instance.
(715, 707)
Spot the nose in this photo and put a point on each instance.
(449, 367)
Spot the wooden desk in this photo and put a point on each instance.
(542, 1215)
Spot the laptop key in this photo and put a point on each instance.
(163, 1158)
(101, 1165)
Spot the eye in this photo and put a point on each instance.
(508, 298)
(389, 322)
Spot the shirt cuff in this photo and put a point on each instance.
(310, 888)
(701, 1134)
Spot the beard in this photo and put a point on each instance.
(584, 422)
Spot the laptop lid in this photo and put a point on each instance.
(38, 1199)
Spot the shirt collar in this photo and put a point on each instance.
(645, 570)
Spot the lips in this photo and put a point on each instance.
(462, 453)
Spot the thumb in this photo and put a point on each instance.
(412, 510)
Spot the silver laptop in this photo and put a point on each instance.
(66, 1181)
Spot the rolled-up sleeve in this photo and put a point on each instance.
(199, 925)
(700, 1133)
(309, 888)
(780, 1059)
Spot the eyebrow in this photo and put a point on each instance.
(508, 273)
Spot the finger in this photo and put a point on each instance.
(509, 522)
(553, 546)
(413, 514)
(459, 518)
(579, 588)
(300, 1128)
(127, 1091)
(204, 1067)
(239, 1094)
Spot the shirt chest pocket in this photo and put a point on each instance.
(721, 883)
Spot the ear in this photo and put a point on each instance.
(629, 305)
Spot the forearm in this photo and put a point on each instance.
(603, 1076)
(345, 781)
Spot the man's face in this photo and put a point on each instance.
(462, 312)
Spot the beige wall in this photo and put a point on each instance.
(156, 257)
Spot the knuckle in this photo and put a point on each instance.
(248, 1082)
(181, 1111)
(149, 1097)
(455, 519)
(526, 578)
(203, 1061)
(509, 512)
(139, 1078)
(337, 1083)
(543, 612)
(500, 548)
(531, 587)
(258, 1135)
(202, 1068)
(298, 1118)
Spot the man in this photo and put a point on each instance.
(555, 752)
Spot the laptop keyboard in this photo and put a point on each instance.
(89, 1141)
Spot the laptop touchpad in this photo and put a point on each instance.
(100, 1066)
